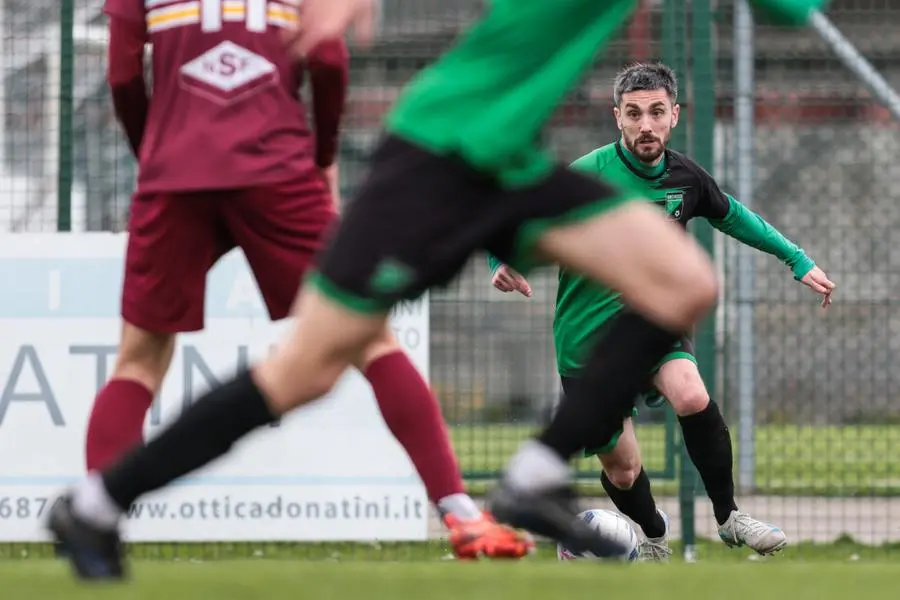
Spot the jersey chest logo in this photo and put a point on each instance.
(674, 205)
(227, 73)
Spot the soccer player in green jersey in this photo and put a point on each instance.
(459, 170)
(646, 111)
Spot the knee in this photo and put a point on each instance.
(382, 345)
(623, 476)
(690, 402)
(622, 467)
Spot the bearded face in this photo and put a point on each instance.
(646, 119)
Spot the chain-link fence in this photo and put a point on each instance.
(816, 389)
(811, 396)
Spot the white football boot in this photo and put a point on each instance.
(656, 549)
(743, 530)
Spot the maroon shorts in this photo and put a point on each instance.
(175, 238)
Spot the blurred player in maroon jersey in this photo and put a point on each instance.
(228, 160)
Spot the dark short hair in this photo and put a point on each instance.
(645, 76)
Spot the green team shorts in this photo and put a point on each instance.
(488, 98)
(651, 398)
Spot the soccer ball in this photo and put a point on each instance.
(611, 525)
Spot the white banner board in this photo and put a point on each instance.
(331, 471)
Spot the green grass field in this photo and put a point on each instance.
(790, 460)
(529, 580)
(401, 571)
(843, 549)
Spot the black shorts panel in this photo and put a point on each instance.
(566, 384)
(419, 217)
(686, 345)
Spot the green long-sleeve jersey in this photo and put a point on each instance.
(684, 190)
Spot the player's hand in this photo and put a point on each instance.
(507, 279)
(321, 20)
(817, 281)
(333, 180)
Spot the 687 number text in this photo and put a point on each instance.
(24, 508)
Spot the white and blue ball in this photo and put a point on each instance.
(612, 526)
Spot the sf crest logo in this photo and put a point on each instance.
(228, 73)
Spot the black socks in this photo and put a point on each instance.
(708, 443)
(637, 504)
(616, 372)
(203, 433)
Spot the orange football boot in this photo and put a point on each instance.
(484, 537)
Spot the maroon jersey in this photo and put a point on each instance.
(224, 111)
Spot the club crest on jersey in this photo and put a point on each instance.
(227, 73)
(674, 205)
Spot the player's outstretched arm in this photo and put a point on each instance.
(749, 228)
(791, 13)
(507, 279)
(125, 75)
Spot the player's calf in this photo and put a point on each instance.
(628, 486)
(116, 422)
(298, 371)
(413, 415)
